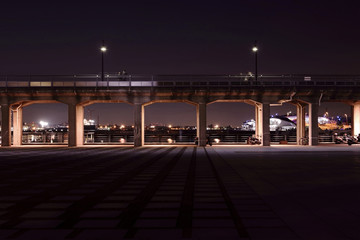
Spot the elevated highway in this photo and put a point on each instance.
(78, 91)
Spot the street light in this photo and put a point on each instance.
(103, 50)
(255, 50)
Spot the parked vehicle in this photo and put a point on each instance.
(347, 139)
(253, 141)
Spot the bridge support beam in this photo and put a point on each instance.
(139, 122)
(5, 125)
(76, 125)
(355, 126)
(262, 123)
(17, 114)
(201, 124)
(300, 122)
(313, 124)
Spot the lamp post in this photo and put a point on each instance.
(103, 50)
(255, 50)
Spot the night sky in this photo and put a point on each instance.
(178, 37)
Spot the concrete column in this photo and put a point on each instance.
(139, 122)
(266, 124)
(258, 121)
(76, 125)
(17, 125)
(313, 124)
(300, 122)
(201, 124)
(355, 126)
(5, 125)
(262, 123)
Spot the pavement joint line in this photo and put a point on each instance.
(73, 215)
(132, 213)
(235, 216)
(269, 208)
(76, 209)
(58, 161)
(25, 205)
(82, 161)
(184, 219)
(322, 210)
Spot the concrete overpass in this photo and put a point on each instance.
(78, 91)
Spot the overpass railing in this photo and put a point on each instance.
(177, 81)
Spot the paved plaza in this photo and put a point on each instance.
(183, 192)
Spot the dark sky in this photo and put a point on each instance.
(179, 37)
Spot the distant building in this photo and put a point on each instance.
(279, 123)
(284, 123)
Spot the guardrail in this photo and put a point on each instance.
(178, 81)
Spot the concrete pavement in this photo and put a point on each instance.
(185, 192)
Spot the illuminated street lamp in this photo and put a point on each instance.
(103, 50)
(255, 50)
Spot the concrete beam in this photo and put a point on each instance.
(201, 124)
(313, 124)
(139, 125)
(5, 125)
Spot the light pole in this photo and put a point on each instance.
(255, 50)
(103, 50)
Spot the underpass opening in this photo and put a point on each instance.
(108, 123)
(42, 123)
(170, 123)
(332, 119)
(283, 123)
(336, 119)
(230, 122)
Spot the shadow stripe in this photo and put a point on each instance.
(132, 213)
(73, 213)
(23, 206)
(234, 215)
(185, 217)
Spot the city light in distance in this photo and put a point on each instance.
(44, 124)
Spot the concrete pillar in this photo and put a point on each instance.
(258, 121)
(313, 124)
(201, 124)
(355, 126)
(5, 125)
(76, 125)
(17, 125)
(262, 123)
(139, 125)
(300, 122)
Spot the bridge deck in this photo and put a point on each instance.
(178, 81)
